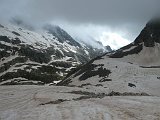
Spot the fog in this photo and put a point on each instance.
(113, 22)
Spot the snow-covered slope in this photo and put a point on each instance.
(134, 68)
(29, 57)
(109, 87)
(60, 103)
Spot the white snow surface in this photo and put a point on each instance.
(149, 56)
(26, 103)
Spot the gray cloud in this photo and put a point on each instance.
(118, 15)
(89, 11)
(92, 10)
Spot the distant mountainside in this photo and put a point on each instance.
(145, 50)
(29, 57)
(134, 68)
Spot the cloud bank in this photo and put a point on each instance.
(104, 20)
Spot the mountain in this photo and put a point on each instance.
(120, 85)
(133, 69)
(39, 57)
(61, 35)
(108, 48)
(145, 50)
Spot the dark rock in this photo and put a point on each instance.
(5, 39)
(16, 33)
(113, 93)
(131, 85)
(108, 48)
(120, 53)
(84, 85)
(54, 102)
(105, 80)
(98, 85)
(102, 72)
(1, 26)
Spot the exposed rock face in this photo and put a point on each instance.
(108, 48)
(150, 34)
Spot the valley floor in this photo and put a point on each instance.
(73, 103)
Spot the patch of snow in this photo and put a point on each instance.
(86, 52)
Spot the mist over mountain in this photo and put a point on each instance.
(134, 68)
(79, 60)
(28, 56)
(96, 19)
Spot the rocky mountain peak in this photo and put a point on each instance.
(61, 34)
(108, 48)
(150, 34)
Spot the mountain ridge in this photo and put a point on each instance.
(134, 68)
(29, 57)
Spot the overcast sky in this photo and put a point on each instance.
(113, 22)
